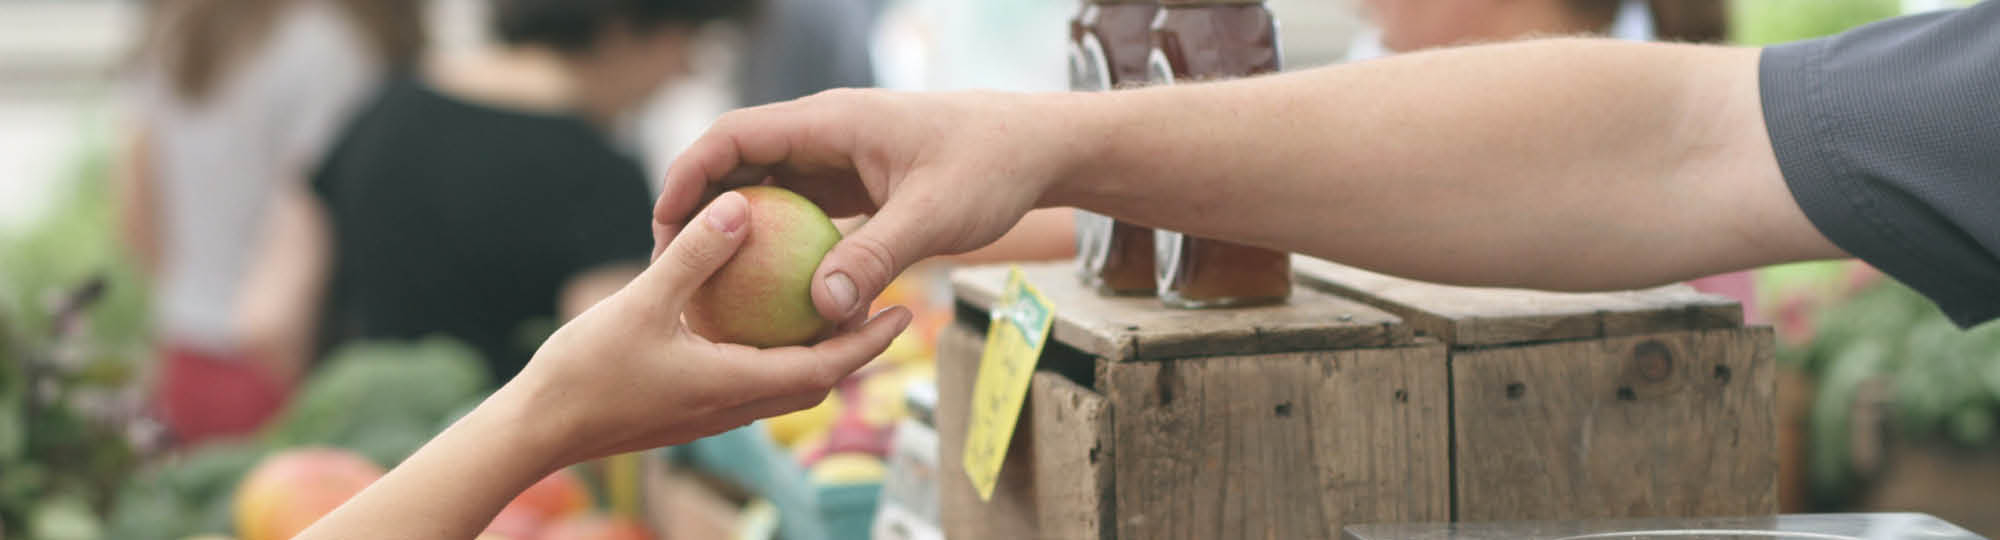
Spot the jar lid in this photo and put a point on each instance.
(1208, 2)
(1101, 2)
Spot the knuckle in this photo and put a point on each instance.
(874, 255)
(839, 95)
(826, 377)
(822, 376)
(730, 121)
(696, 255)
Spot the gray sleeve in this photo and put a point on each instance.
(1889, 137)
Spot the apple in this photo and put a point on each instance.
(763, 296)
(596, 527)
(290, 490)
(554, 497)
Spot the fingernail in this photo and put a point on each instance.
(905, 315)
(841, 290)
(728, 212)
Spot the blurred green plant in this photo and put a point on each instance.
(1765, 22)
(72, 333)
(1941, 384)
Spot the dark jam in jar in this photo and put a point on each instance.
(1110, 44)
(1195, 40)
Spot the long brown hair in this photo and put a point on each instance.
(196, 42)
(1697, 21)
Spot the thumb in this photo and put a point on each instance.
(696, 252)
(863, 263)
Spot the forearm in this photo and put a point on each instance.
(278, 306)
(137, 203)
(453, 486)
(1564, 164)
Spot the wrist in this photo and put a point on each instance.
(533, 440)
(1084, 126)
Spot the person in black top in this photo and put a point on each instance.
(482, 199)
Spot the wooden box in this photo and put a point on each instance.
(1366, 399)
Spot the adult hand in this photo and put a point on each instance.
(627, 375)
(939, 173)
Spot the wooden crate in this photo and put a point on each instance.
(1651, 403)
(1338, 408)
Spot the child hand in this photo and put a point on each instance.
(627, 375)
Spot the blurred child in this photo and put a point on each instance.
(234, 100)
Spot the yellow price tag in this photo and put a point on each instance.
(1014, 340)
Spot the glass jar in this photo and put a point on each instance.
(1110, 44)
(1196, 40)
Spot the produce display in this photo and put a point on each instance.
(844, 442)
(552, 499)
(375, 402)
(596, 527)
(290, 490)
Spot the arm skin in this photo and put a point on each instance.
(138, 201)
(1568, 164)
(1564, 165)
(278, 307)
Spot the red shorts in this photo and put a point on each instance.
(204, 395)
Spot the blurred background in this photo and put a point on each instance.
(177, 178)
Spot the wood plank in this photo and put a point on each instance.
(1279, 446)
(1011, 512)
(1467, 316)
(1129, 328)
(1073, 455)
(1664, 425)
(1788, 527)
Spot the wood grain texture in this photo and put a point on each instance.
(1130, 328)
(1072, 457)
(1610, 528)
(1672, 424)
(1011, 512)
(1279, 446)
(1468, 316)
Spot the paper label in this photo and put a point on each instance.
(1014, 340)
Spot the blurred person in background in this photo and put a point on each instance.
(800, 47)
(1409, 25)
(482, 198)
(233, 101)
